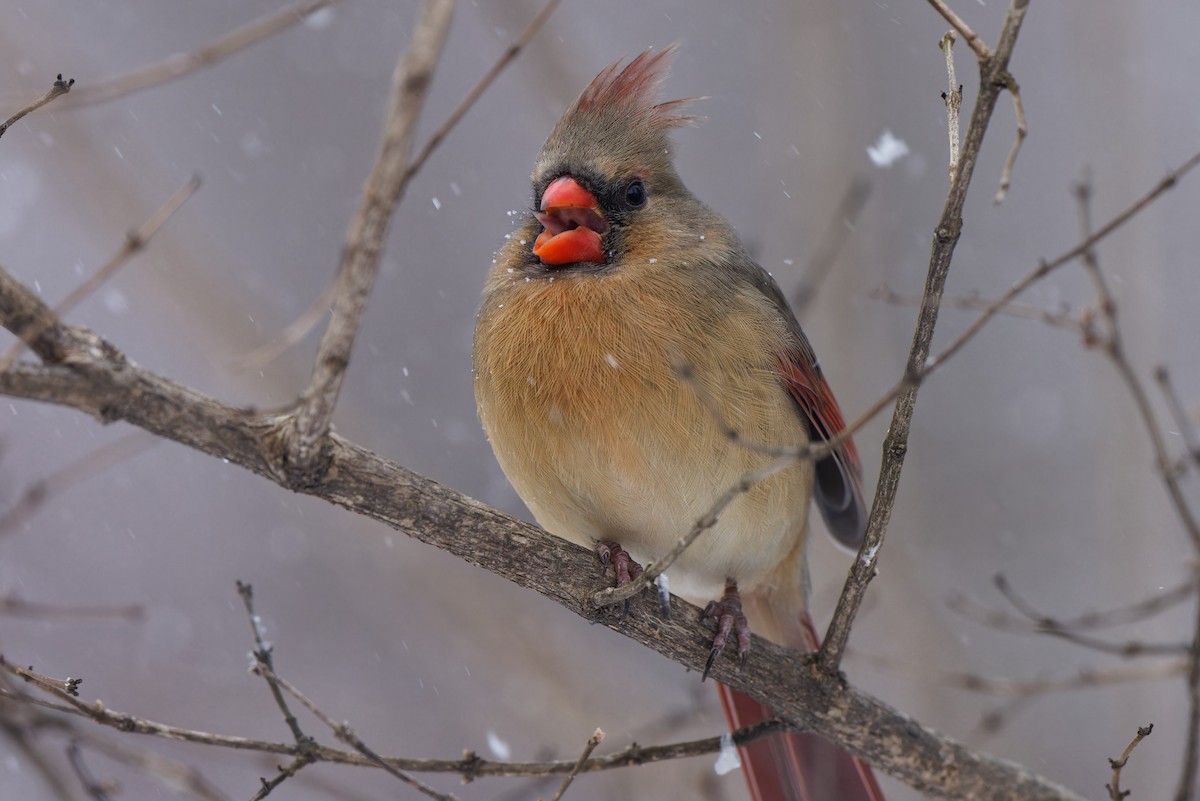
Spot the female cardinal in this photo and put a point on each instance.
(624, 335)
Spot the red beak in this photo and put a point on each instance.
(573, 224)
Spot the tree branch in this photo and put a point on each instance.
(181, 64)
(991, 69)
(97, 379)
(59, 88)
(365, 237)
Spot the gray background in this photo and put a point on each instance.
(1026, 456)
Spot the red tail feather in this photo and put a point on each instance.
(795, 766)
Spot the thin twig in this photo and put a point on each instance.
(282, 774)
(135, 242)
(982, 51)
(593, 741)
(506, 58)
(26, 746)
(1114, 346)
(91, 464)
(953, 97)
(1002, 687)
(346, 734)
(169, 772)
(615, 595)
(1044, 624)
(470, 767)
(68, 687)
(1105, 618)
(841, 225)
(1187, 774)
(1115, 793)
(181, 64)
(290, 336)
(365, 236)
(15, 607)
(1022, 131)
(1187, 431)
(265, 664)
(95, 789)
(1058, 318)
(1002, 303)
(424, 510)
(299, 328)
(946, 235)
(59, 88)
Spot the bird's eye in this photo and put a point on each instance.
(635, 193)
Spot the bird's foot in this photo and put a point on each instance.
(727, 613)
(624, 566)
(626, 569)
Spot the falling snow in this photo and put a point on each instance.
(887, 150)
(727, 758)
(499, 748)
(320, 19)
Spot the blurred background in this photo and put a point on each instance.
(1026, 456)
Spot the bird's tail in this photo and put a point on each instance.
(794, 766)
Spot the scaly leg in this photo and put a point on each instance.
(727, 613)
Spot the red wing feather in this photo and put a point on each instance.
(838, 487)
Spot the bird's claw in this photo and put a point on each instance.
(624, 566)
(729, 618)
(626, 569)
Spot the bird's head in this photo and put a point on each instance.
(604, 174)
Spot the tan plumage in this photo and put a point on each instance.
(579, 388)
(615, 313)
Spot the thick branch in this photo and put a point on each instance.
(101, 382)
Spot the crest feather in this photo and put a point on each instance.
(633, 90)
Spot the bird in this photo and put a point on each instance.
(632, 362)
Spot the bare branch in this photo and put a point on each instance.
(299, 327)
(95, 789)
(135, 241)
(91, 464)
(1114, 787)
(953, 97)
(1114, 346)
(1187, 775)
(841, 225)
(59, 88)
(945, 239)
(344, 733)
(470, 767)
(13, 606)
(107, 385)
(593, 741)
(982, 51)
(477, 91)
(1105, 618)
(1059, 317)
(1187, 431)
(364, 241)
(173, 774)
(1022, 131)
(1004, 687)
(265, 664)
(181, 64)
(102, 383)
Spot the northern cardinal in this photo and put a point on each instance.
(624, 333)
